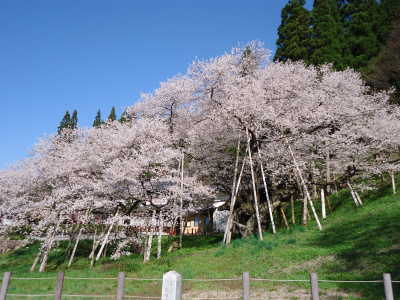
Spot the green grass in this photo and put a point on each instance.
(355, 244)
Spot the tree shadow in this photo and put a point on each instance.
(366, 247)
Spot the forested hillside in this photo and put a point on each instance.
(360, 34)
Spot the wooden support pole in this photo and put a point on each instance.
(314, 286)
(284, 217)
(59, 286)
(387, 283)
(266, 192)
(229, 225)
(75, 246)
(4, 286)
(246, 285)
(121, 285)
(253, 180)
(228, 233)
(303, 183)
(327, 202)
(323, 204)
(292, 206)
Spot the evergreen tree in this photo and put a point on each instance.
(64, 122)
(73, 123)
(124, 117)
(112, 117)
(98, 121)
(325, 34)
(293, 32)
(363, 24)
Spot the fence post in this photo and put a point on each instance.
(387, 284)
(246, 285)
(59, 286)
(4, 286)
(314, 286)
(121, 285)
(172, 286)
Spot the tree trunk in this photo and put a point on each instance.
(302, 212)
(313, 185)
(279, 219)
(251, 225)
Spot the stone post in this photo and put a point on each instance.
(387, 284)
(4, 286)
(172, 286)
(246, 285)
(314, 286)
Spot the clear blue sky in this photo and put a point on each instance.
(59, 55)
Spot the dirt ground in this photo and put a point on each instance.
(277, 293)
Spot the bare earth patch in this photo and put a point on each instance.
(277, 293)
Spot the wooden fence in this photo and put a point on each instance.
(177, 291)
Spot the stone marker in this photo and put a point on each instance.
(172, 286)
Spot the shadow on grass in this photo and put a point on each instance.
(366, 246)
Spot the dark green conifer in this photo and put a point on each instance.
(363, 22)
(73, 123)
(98, 121)
(112, 117)
(325, 34)
(124, 117)
(293, 32)
(64, 122)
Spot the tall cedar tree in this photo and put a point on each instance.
(98, 121)
(363, 23)
(73, 123)
(112, 117)
(325, 34)
(293, 32)
(64, 122)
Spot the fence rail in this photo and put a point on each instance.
(246, 279)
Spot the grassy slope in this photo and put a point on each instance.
(356, 244)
